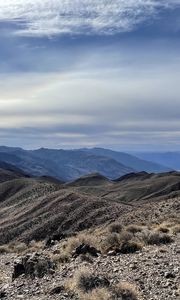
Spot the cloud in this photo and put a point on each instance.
(88, 108)
(58, 17)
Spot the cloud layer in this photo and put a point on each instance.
(57, 17)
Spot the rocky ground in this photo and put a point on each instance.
(155, 270)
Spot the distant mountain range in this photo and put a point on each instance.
(170, 159)
(68, 165)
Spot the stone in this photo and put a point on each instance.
(3, 294)
(169, 275)
(57, 290)
(34, 266)
(19, 269)
(85, 249)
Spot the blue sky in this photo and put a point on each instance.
(79, 73)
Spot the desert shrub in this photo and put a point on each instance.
(97, 294)
(61, 258)
(86, 281)
(115, 227)
(163, 228)
(134, 228)
(112, 241)
(143, 236)
(115, 240)
(76, 241)
(4, 249)
(157, 238)
(37, 245)
(176, 229)
(131, 247)
(20, 247)
(125, 236)
(126, 291)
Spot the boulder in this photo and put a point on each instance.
(35, 265)
(86, 249)
(57, 290)
(3, 294)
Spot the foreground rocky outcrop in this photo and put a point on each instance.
(155, 271)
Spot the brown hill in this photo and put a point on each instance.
(33, 208)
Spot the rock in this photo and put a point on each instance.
(113, 252)
(3, 294)
(55, 238)
(57, 290)
(85, 249)
(93, 282)
(19, 269)
(169, 275)
(34, 266)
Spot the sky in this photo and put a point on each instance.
(90, 73)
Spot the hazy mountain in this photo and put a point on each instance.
(131, 161)
(9, 172)
(170, 159)
(62, 164)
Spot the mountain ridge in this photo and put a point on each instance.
(68, 165)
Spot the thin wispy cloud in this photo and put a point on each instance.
(57, 17)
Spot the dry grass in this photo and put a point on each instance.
(134, 228)
(131, 247)
(112, 241)
(76, 241)
(163, 228)
(115, 227)
(176, 229)
(4, 249)
(23, 248)
(88, 286)
(124, 242)
(158, 238)
(60, 258)
(84, 281)
(126, 291)
(97, 294)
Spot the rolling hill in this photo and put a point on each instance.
(34, 208)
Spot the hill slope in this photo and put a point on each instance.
(34, 209)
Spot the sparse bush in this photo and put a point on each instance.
(61, 258)
(131, 247)
(20, 248)
(126, 291)
(134, 228)
(37, 245)
(112, 241)
(86, 281)
(115, 227)
(4, 249)
(97, 294)
(157, 238)
(115, 240)
(163, 228)
(143, 235)
(125, 236)
(76, 241)
(176, 229)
